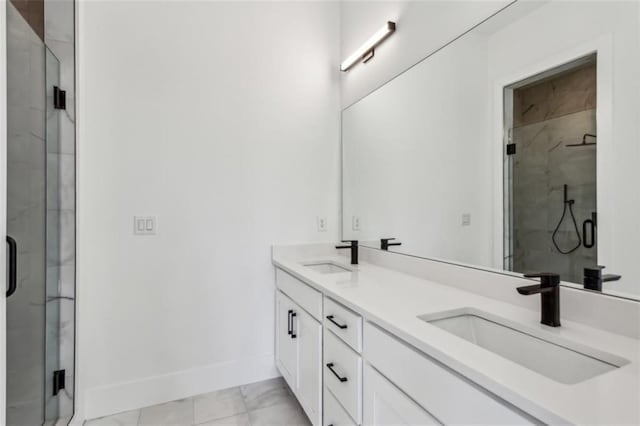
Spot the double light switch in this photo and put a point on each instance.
(144, 225)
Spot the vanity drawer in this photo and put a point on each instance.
(307, 297)
(334, 414)
(448, 396)
(345, 323)
(343, 375)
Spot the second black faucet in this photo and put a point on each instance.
(549, 290)
(354, 250)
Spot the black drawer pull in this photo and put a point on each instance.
(293, 333)
(289, 322)
(330, 367)
(340, 326)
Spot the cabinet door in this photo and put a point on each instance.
(385, 404)
(286, 341)
(310, 365)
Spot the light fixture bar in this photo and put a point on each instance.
(366, 50)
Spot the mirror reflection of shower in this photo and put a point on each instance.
(550, 169)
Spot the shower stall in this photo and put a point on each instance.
(550, 171)
(40, 302)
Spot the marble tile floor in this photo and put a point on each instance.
(264, 403)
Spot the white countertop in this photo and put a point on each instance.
(394, 300)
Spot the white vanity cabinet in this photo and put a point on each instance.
(309, 390)
(446, 395)
(385, 404)
(286, 344)
(299, 349)
(342, 362)
(347, 371)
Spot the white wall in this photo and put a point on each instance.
(221, 119)
(422, 27)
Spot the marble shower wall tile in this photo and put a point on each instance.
(543, 164)
(59, 24)
(67, 180)
(67, 237)
(570, 92)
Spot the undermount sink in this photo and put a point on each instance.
(558, 359)
(327, 267)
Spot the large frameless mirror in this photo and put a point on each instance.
(511, 149)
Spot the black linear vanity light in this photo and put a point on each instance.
(367, 50)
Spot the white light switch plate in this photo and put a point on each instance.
(322, 224)
(144, 225)
(466, 219)
(355, 223)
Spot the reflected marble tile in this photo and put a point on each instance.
(265, 394)
(239, 420)
(218, 405)
(286, 413)
(129, 418)
(175, 413)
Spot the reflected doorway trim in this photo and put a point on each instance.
(603, 48)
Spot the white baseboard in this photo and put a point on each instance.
(112, 399)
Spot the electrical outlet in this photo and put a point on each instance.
(355, 223)
(322, 224)
(144, 225)
(466, 219)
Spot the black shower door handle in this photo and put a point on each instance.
(13, 265)
(589, 223)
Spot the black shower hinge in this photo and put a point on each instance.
(58, 381)
(59, 98)
(511, 148)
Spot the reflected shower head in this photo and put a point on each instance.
(584, 141)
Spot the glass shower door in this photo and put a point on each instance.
(33, 224)
(52, 281)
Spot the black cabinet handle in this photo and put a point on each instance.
(289, 322)
(340, 326)
(330, 367)
(13, 266)
(293, 333)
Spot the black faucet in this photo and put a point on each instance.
(385, 244)
(549, 289)
(593, 278)
(354, 250)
